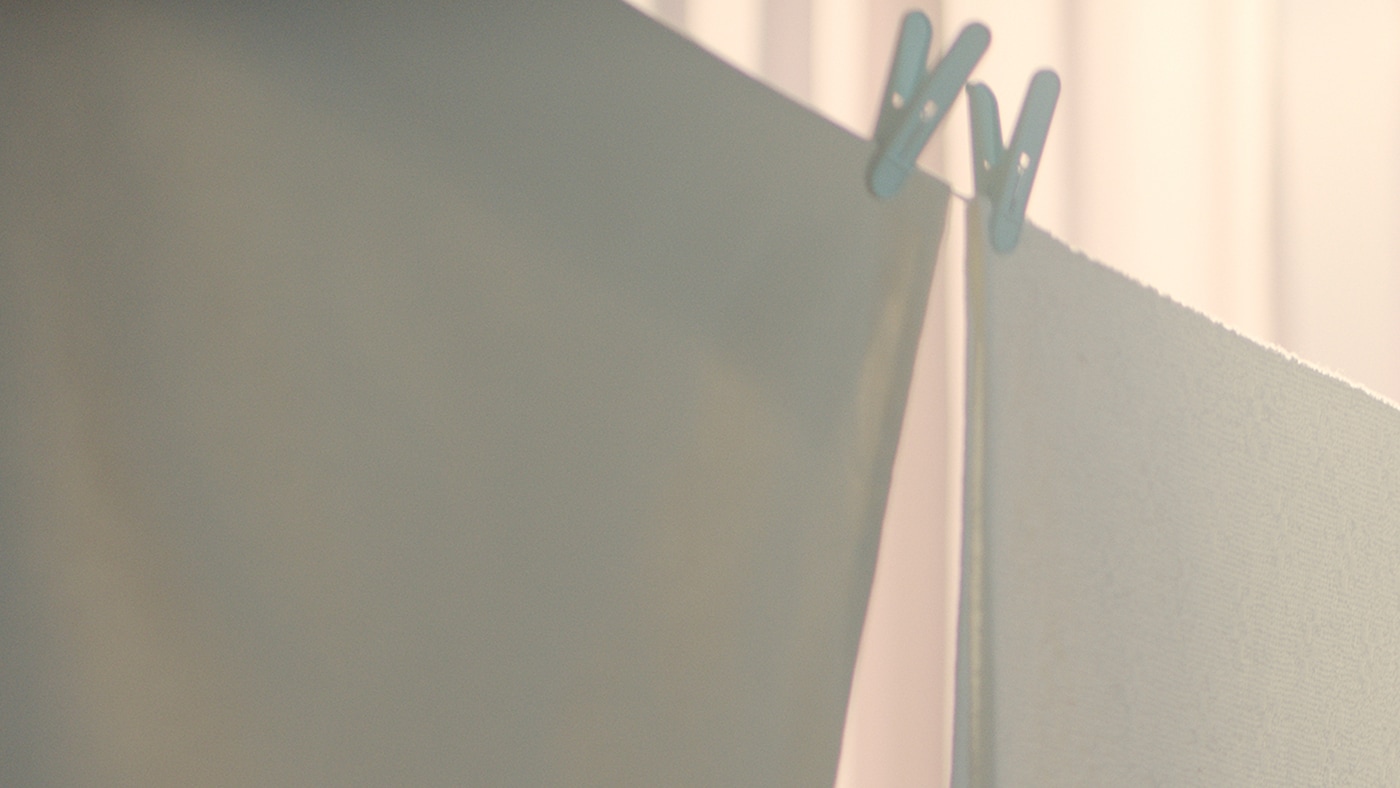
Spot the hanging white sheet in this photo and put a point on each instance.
(1182, 549)
(436, 394)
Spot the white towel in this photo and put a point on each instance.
(436, 395)
(1182, 549)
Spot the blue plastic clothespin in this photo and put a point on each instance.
(914, 101)
(1005, 175)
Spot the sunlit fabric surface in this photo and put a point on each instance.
(433, 396)
(1182, 556)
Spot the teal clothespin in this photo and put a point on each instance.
(914, 101)
(1005, 175)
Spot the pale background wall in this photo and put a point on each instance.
(1242, 156)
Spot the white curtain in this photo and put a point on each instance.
(1241, 156)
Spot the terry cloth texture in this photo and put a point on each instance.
(461, 394)
(1182, 549)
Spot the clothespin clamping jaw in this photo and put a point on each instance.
(915, 101)
(1005, 175)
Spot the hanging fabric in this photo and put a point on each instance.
(1182, 550)
(454, 395)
